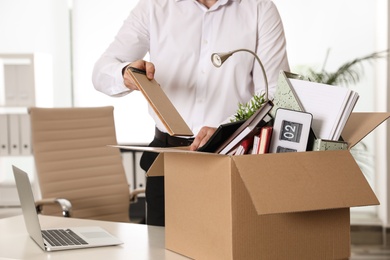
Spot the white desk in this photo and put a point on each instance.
(140, 241)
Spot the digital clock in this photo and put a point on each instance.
(291, 131)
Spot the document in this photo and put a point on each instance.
(246, 128)
(330, 106)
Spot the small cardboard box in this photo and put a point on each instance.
(270, 206)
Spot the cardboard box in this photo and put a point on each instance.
(270, 206)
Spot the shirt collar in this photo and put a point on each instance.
(221, 1)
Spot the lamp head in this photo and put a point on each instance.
(219, 58)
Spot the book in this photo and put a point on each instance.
(260, 116)
(330, 106)
(244, 146)
(220, 135)
(159, 101)
(261, 141)
(255, 146)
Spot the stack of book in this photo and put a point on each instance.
(258, 143)
(247, 129)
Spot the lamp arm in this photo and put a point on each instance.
(261, 66)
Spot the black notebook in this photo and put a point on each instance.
(259, 118)
(223, 132)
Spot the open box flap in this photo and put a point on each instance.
(157, 167)
(361, 124)
(154, 149)
(295, 182)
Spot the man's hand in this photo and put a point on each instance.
(139, 64)
(202, 137)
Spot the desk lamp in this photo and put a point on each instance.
(219, 58)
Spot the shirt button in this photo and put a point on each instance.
(205, 42)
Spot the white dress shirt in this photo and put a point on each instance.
(180, 37)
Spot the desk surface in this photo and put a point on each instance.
(140, 241)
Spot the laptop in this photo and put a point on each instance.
(56, 239)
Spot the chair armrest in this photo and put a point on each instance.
(65, 205)
(134, 195)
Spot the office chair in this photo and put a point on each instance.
(75, 167)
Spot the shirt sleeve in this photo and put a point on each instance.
(130, 44)
(271, 48)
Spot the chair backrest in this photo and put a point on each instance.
(74, 162)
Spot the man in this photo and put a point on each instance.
(180, 37)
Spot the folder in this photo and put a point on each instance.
(330, 106)
(296, 93)
(162, 106)
(285, 96)
(4, 146)
(14, 132)
(25, 134)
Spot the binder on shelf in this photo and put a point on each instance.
(14, 133)
(25, 134)
(4, 146)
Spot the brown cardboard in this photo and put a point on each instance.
(210, 214)
(328, 183)
(361, 124)
(162, 106)
(270, 206)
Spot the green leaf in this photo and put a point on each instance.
(246, 110)
(348, 73)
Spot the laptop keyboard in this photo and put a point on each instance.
(62, 237)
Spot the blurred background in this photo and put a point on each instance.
(62, 39)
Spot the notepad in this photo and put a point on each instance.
(330, 106)
(160, 103)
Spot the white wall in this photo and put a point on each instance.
(95, 23)
(39, 26)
